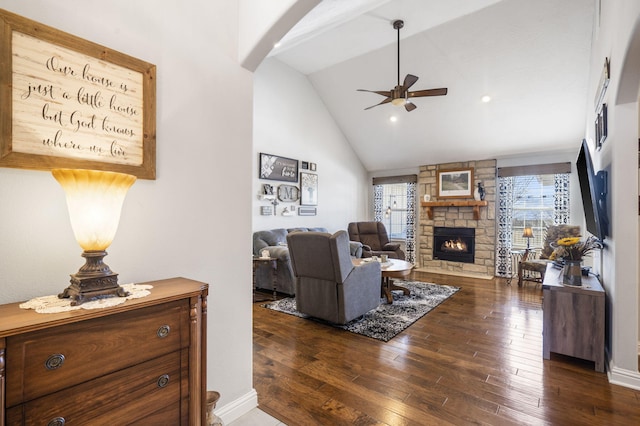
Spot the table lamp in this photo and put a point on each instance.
(94, 200)
(528, 234)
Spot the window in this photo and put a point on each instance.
(394, 204)
(394, 200)
(533, 207)
(529, 196)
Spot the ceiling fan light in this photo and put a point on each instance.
(398, 101)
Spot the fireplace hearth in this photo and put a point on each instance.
(454, 244)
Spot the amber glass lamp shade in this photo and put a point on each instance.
(94, 200)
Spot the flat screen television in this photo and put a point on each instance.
(593, 187)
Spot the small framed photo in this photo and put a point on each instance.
(266, 210)
(455, 183)
(307, 211)
(312, 167)
(601, 126)
(304, 165)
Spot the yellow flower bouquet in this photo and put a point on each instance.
(574, 248)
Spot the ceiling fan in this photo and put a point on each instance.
(400, 95)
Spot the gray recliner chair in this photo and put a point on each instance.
(328, 285)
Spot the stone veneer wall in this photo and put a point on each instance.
(484, 265)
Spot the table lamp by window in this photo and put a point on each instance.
(94, 200)
(528, 234)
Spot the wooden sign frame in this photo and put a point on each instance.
(66, 102)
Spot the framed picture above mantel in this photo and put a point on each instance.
(455, 183)
(66, 102)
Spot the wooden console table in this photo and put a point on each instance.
(458, 203)
(143, 361)
(573, 318)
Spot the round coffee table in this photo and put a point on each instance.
(392, 268)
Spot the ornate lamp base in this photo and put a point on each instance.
(94, 279)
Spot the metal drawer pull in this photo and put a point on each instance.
(58, 421)
(53, 362)
(163, 331)
(163, 380)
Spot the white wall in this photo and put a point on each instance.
(179, 224)
(291, 121)
(618, 29)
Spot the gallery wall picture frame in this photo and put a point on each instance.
(288, 193)
(603, 83)
(66, 102)
(312, 167)
(601, 126)
(275, 167)
(456, 183)
(307, 211)
(304, 165)
(308, 189)
(266, 210)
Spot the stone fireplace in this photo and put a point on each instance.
(431, 255)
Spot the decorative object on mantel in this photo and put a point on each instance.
(455, 183)
(386, 321)
(71, 103)
(572, 250)
(54, 305)
(426, 198)
(454, 203)
(479, 192)
(94, 201)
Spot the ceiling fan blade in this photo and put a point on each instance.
(428, 92)
(379, 92)
(409, 81)
(386, 101)
(410, 106)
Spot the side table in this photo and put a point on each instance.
(272, 262)
(515, 256)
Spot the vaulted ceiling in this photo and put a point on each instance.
(531, 57)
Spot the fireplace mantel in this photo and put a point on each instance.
(455, 203)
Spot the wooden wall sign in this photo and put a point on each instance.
(68, 102)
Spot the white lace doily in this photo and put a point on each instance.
(53, 304)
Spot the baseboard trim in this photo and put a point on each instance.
(236, 409)
(623, 377)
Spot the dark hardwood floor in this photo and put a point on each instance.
(475, 359)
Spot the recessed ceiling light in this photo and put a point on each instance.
(486, 98)
(393, 118)
(277, 44)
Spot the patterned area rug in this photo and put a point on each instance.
(386, 321)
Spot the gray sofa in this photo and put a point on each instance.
(328, 285)
(275, 241)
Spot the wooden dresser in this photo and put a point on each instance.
(573, 318)
(142, 362)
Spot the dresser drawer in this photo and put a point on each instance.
(136, 395)
(47, 361)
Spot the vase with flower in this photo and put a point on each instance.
(572, 250)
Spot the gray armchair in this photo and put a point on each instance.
(328, 285)
(374, 239)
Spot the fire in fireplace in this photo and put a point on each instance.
(454, 244)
